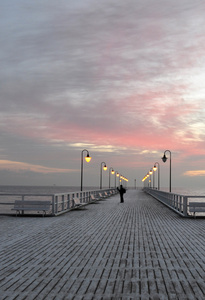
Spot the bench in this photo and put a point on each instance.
(107, 195)
(102, 196)
(196, 207)
(31, 205)
(77, 203)
(94, 199)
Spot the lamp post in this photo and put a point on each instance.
(148, 178)
(126, 180)
(87, 159)
(164, 159)
(116, 175)
(144, 179)
(121, 179)
(150, 173)
(112, 172)
(155, 169)
(104, 168)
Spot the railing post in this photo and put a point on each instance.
(73, 196)
(22, 200)
(185, 206)
(56, 204)
(180, 204)
(53, 204)
(63, 202)
(68, 201)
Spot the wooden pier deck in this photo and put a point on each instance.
(136, 250)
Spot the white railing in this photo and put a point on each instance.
(60, 202)
(178, 203)
(63, 202)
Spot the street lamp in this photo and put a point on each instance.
(112, 172)
(155, 169)
(87, 159)
(164, 159)
(116, 175)
(104, 168)
(148, 178)
(126, 180)
(150, 173)
(145, 178)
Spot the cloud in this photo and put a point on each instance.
(20, 166)
(195, 173)
(117, 77)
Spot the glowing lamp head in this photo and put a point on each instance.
(117, 174)
(155, 168)
(105, 168)
(150, 172)
(112, 172)
(88, 158)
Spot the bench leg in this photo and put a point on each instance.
(18, 212)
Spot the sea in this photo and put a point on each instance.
(54, 189)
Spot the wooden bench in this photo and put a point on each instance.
(31, 205)
(94, 199)
(196, 207)
(106, 194)
(77, 203)
(102, 196)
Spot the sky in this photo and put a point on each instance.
(121, 79)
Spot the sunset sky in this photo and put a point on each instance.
(123, 79)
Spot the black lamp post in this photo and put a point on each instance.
(155, 168)
(164, 159)
(112, 172)
(150, 173)
(104, 168)
(88, 159)
(116, 175)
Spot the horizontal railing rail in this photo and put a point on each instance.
(60, 202)
(179, 203)
(63, 202)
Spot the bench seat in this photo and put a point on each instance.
(31, 205)
(102, 196)
(77, 203)
(196, 207)
(93, 198)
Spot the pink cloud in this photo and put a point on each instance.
(195, 173)
(134, 122)
(21, 166)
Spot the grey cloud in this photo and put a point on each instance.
(72, 66)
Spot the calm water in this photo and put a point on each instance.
(14, 189)
(189, 191)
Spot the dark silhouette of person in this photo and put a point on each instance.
(121, 191)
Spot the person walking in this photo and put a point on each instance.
(121, 191)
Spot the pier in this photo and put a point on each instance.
(139, 250)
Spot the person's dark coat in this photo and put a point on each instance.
(121, 191)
